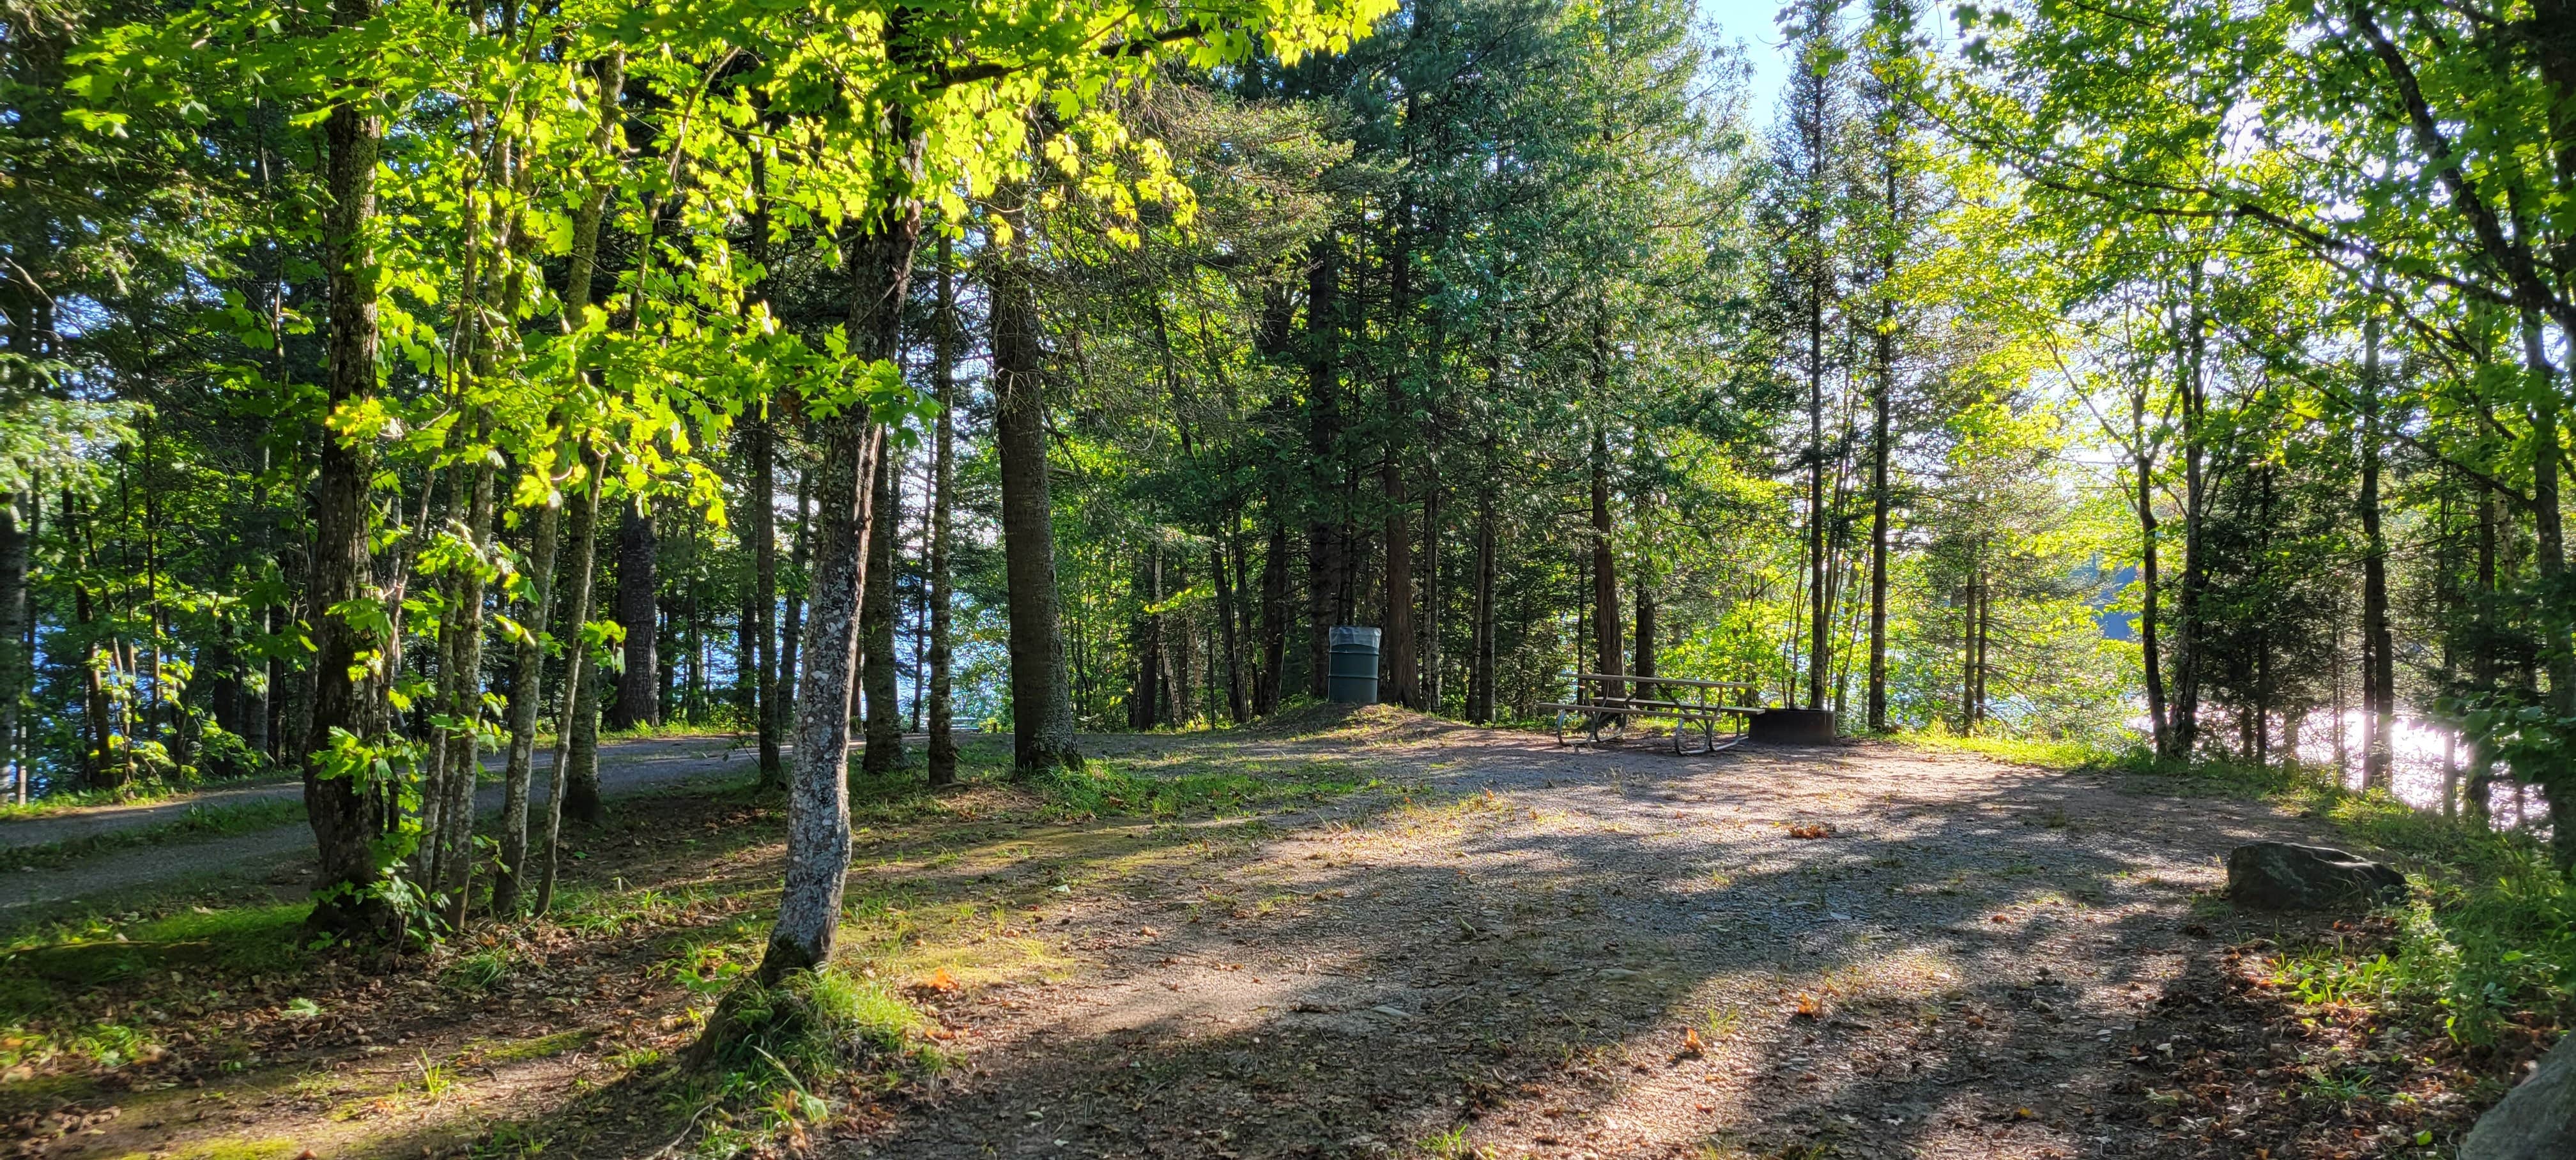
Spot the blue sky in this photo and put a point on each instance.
(1756, 24)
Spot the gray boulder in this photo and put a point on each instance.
(2289, 876)
(2536, 1121)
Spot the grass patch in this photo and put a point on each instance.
(131, 794)
(1101, 788)
(2485, 949)
(788, 1056)
(541, 1047)
(2041, 753)
(200, 821)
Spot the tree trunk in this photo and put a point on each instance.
(1643, 663)
(1432, 700)
(527, 678)
(884, 751)
(461, 671)
(1403, 666)
(1480, 648)
(1145, 697)
(13, 633)
(1041, 700)
(2548, 529)
(1238, 705)
(1968, 659)
(581, 798)
(2182, 732)
(763, 605)
(818, 807)
(1876, 709)
(639, 687)
(1605, 577)
(349, 811)
(791, 624)
(1325, 551)
(576, 705)
(2149, 653)
(2378, 646)
(943, 501)
(1274, 616)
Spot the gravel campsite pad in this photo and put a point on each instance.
(1544, 951)
(1473, 943)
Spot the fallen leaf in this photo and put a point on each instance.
(1691, 1046)
(1808, 1008)
(940, 980)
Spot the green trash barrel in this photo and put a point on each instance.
(1354, 666)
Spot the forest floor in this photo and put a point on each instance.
(1365, 936)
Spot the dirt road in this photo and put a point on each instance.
(625, 767)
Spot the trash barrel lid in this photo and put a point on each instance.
(1347, 634)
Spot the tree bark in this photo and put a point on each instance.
(1403, 667)
(1274, 616)
(349, 812)
(527, 678)
(2378, 647)
(2548, 529)
(1643, 663)
(1324, 548)
(1480, 660)
(2182, 732)
(2149, 652)
(851, 443)
(763, 605)
(1238, 706)
(13, 633)
(884, 752)
(576, 704)
(1876, 709)
(639, 687)
(943, 502)
(1041, 700)
(1605, 577)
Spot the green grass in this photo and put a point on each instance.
(2487, 940)
(2042, 753)
(137, 793)
(788, 1047)
(46, 974)
(199, 821)
(1101, 788)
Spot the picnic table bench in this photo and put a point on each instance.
(1605, 703)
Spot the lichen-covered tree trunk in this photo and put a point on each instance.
(850, 443)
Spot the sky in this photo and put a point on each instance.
(1756, 24)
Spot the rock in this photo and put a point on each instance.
(2289, 876)
(2536, 1121)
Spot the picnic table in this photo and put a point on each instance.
(1606, 704)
